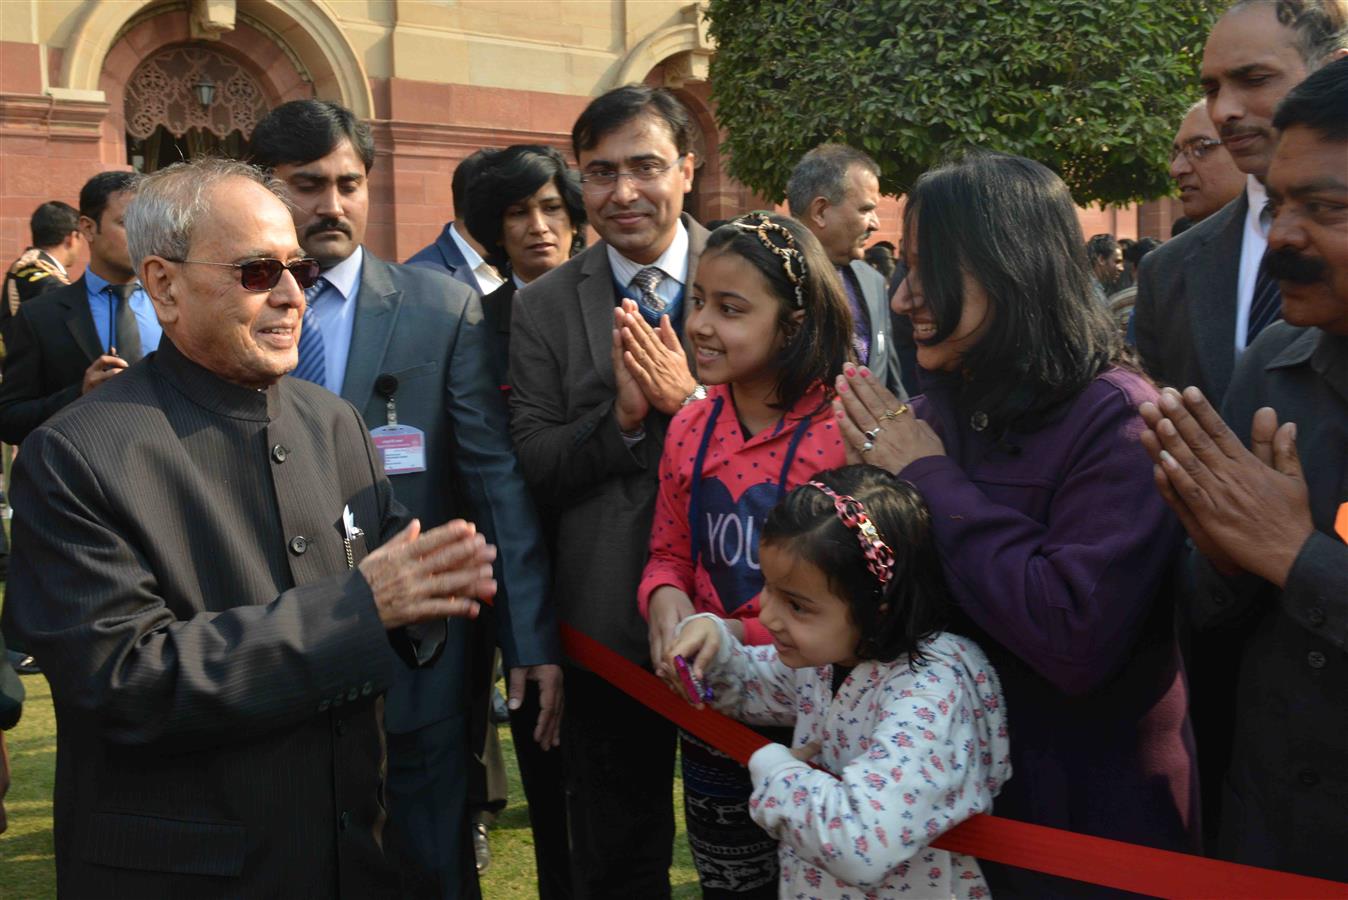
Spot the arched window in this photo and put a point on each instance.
(189, 101)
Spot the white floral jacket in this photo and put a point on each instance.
(905, 755)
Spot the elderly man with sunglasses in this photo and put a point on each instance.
(217, 579)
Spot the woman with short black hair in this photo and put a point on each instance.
(1061, 558)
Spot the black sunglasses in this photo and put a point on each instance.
(264, 274)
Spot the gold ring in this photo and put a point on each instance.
(903, 408)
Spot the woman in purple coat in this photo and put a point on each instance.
(1061, 556)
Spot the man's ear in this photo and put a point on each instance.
(816, 211)
(88, 227)
(687, 163)
(157, 277)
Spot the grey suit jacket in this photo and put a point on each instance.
(428, 332)
(179, 570)
(1185, 315)
(600, 491)
(884, 349)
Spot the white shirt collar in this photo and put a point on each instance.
(56, 262)
(471, 257)
(1257, 197)
(673, 262)
(345, 276)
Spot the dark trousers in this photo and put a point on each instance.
(427, 835)
(620, 792)
(543, 774)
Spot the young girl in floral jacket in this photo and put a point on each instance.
(900, 732)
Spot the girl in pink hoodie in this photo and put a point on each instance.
(771, 326)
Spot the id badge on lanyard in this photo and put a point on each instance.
(402, 448)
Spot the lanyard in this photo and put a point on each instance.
(695, 493)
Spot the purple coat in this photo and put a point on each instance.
(1062, 555)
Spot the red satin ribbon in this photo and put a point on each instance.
(1129, 867)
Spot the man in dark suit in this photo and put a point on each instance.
(1270, 523)
(55, 231)
(589, 432)
(456, 251)
(1204, 296)
(71, 340)
(1201, 297)
(408, 348)
(244, 588)
(834, 191)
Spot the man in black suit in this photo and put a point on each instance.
(69, 341)
(834, 191)
(408, 348)
(456, 251)
(244, 588)
(1270, 523)
(55, 231)
(1202, 297)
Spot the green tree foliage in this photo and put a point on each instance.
(1094, 89)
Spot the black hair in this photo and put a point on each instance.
(52, 222)
(893, 619)
(302, 131)
(1319, 103)
(465, 174)
(1047, 337)
(1133, 254)
(613, 109)
(96, 191)
(510, 176)
(815, 349)
(1102, 246)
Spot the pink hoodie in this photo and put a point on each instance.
(741, 480)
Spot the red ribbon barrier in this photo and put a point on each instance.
(1115, 864)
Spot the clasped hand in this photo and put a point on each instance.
(868, 413)
(1244, 509)
(649, 366)
(418, 577)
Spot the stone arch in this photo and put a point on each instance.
(685, 50)
(306, 28)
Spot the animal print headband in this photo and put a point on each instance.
(879, 556)
(793, 261)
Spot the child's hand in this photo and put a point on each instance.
(668, 607)
(698, 644)
(806, 753)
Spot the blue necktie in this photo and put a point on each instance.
(313, 361)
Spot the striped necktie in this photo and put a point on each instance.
(125, 335)
(313, 364)
(1266, 301)
(645, 282)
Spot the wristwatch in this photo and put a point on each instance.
(699, 393)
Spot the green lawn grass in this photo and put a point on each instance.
(26, 869)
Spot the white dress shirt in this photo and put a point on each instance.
(673, 262)
(487, 278)
(1252, 245)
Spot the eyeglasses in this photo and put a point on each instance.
(596, 180)
(264, 274)
(1195, 148)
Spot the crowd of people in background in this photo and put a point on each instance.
(988, 518)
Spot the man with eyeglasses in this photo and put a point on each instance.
(1204, 172)
(597, 368)
(409, 348)
(219, 583)
(1203, 297)
(69, 341)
